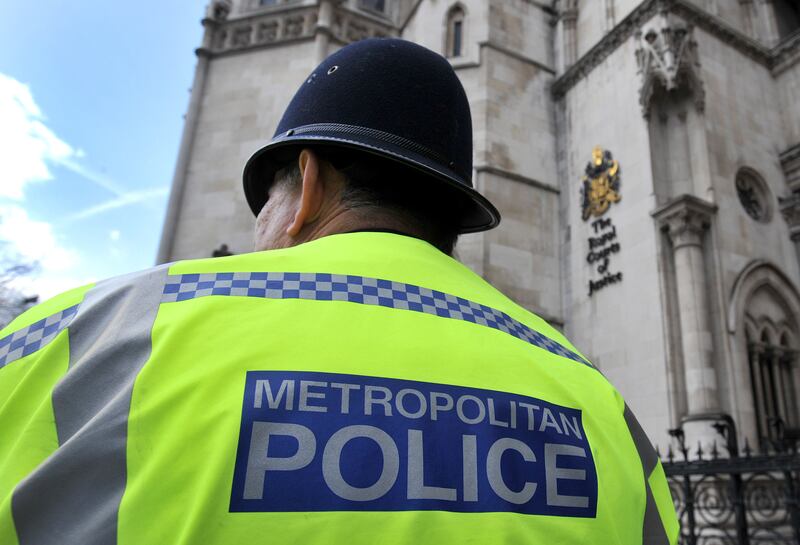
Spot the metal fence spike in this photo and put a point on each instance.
(734, 500)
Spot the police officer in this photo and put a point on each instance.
(351, 383)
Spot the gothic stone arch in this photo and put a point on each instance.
(763, 304)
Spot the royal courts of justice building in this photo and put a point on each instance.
(645, 157)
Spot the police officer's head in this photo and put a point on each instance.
(379, 136)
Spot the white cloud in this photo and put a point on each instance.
(26, 144)
(98, 179)
(28, 147)
(132, 197)
(35, 242)
(28, 150)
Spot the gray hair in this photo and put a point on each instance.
(387, 198)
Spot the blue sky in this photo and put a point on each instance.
(92, 97)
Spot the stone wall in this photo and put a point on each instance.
(427, 27)
(243, 98)
(621, 327)
(506, 69)
(523, 28)
(745, 128)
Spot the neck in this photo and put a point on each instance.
(348, 220)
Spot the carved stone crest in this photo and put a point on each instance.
(600, 184)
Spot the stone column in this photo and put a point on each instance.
(322, 32)
(756, 355)
(790, 210)
(569, 20)
(766, 23)
(790, 205)
(611, 19)
(685, 219)
(747, 16)
(217, 13)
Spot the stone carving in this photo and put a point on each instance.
(267, 32)
(790, 210)
(350, 27)
(790, 163)
(753, 195)
(293, 26)
(220, 37)
(667, 56)
(785, 55)
(241, 36)
(298, 23)
(790, 205)
(685, 218)
(219, 10)
(630, 25)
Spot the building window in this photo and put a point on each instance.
(772, 365)
(378, 6)
(753, 195)
(787, 16)
(455, 32)
(267, 2)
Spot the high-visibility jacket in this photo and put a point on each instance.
(362, 388)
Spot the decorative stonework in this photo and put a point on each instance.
(219, 10)
(264, 29)
(685, 219)
(293, 23)
(667, 56)
(754, 196)
(790, 210)
(790, 162)
(605, 47)
(786, 54)
(349, 26)
(628, 27)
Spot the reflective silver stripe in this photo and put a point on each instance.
(74, 496)
(647, 454)
(653, 532)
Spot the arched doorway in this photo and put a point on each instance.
(764, 319)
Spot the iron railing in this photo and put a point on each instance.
(735, 497)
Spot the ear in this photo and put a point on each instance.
(313, 192)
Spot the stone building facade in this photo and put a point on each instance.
(645, 156)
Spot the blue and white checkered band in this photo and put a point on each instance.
(355, 289)
(37, 335)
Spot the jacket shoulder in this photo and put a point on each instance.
(47, 308)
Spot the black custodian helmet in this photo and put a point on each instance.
(391, 99)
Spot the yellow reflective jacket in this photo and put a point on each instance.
(362, 388)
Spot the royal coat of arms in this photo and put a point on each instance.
(600, 184)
